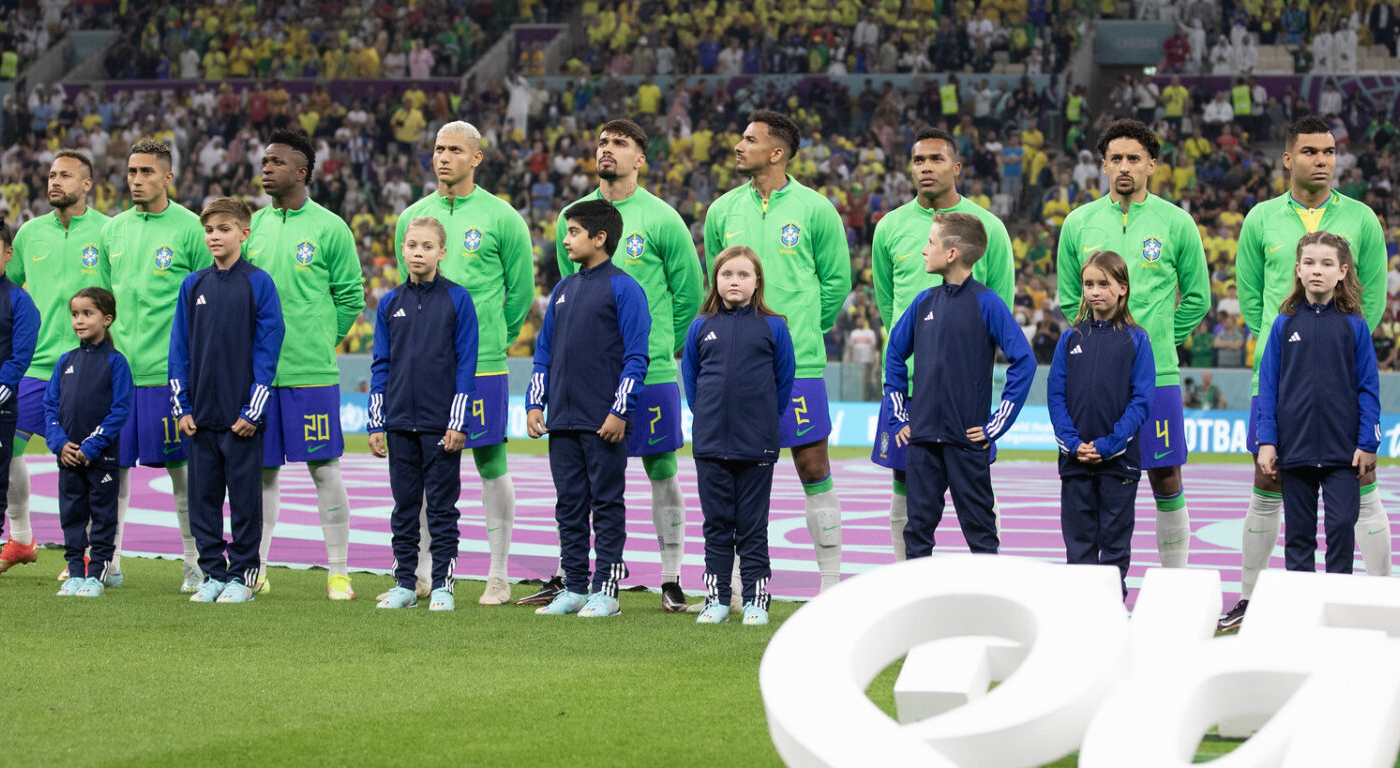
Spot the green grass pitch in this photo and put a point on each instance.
(141, 677)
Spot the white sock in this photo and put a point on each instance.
(668, 515)
(180, 489)
(498, 505)
(1373, 535)
(271, 498)
(899, 517)
(333, 505)
(736, 584)
(123, 501)
(21, 529)
(1262, 523)
(1173, 537)
(824, 524)
(424, 571)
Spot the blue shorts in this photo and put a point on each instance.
(151, 435)
(807, 419)
(886, 454)
(486, 424)
(656, 421)
(31, 405)
(1251, 440)
(302, 424)
(1162, 437)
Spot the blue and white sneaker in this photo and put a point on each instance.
(600, 604)
(192, 579)
(754, 616)
(441, 600)
(208, 592)
(89, 587)
(234, 592)
(114, 580)
(71, 586)
(713, 613)
(564, 602)
(398, 597)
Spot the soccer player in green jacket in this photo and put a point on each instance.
(807, 267)
(149, 248)
(1163, 249)
(310, 254)
(55, 256)
(658, 251)
(897, 262)
(1264, 269)
(489, 253)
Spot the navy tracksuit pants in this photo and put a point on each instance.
(933, 468)
(87, 510)
(222, 461)
(734, 495)
(420, 471)
(589, 474)
(9, 414)
(1341, 498)
(1097, 516)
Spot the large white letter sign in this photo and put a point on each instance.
(1070, 620)
(1315, 670)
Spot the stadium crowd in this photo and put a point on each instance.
(1026, 152)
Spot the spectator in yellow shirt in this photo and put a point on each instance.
(408, 124)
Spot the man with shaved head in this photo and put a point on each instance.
(489, 254)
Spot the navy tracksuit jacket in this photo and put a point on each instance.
(590, 361)
(738, 370)
(424, 375)
(954, 331)
(1100, 388)
(224, 345)
(1319, 368)
(19, 333)
(87, 402)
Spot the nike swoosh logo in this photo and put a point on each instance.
(1378, 530)
(728, 235)
(830, 527)
(1093, 248)
(655, 440)
(254, 254)
(117, 254)
(475, 435)
(38, 259)
(1156, 455)
(168, 451)
(314, 449)
(905, 256)
(1172, 543)
(1275, 248)
(497, 528)
(1251, 530)
(802, 432)
(677, 525)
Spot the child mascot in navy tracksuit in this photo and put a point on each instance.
(86, 403)
(590, 361)
(1319, 370)
(953, 331)
(424, 374)
(224, 345)
(1099, 390)
(19, 333)
(738, 367)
